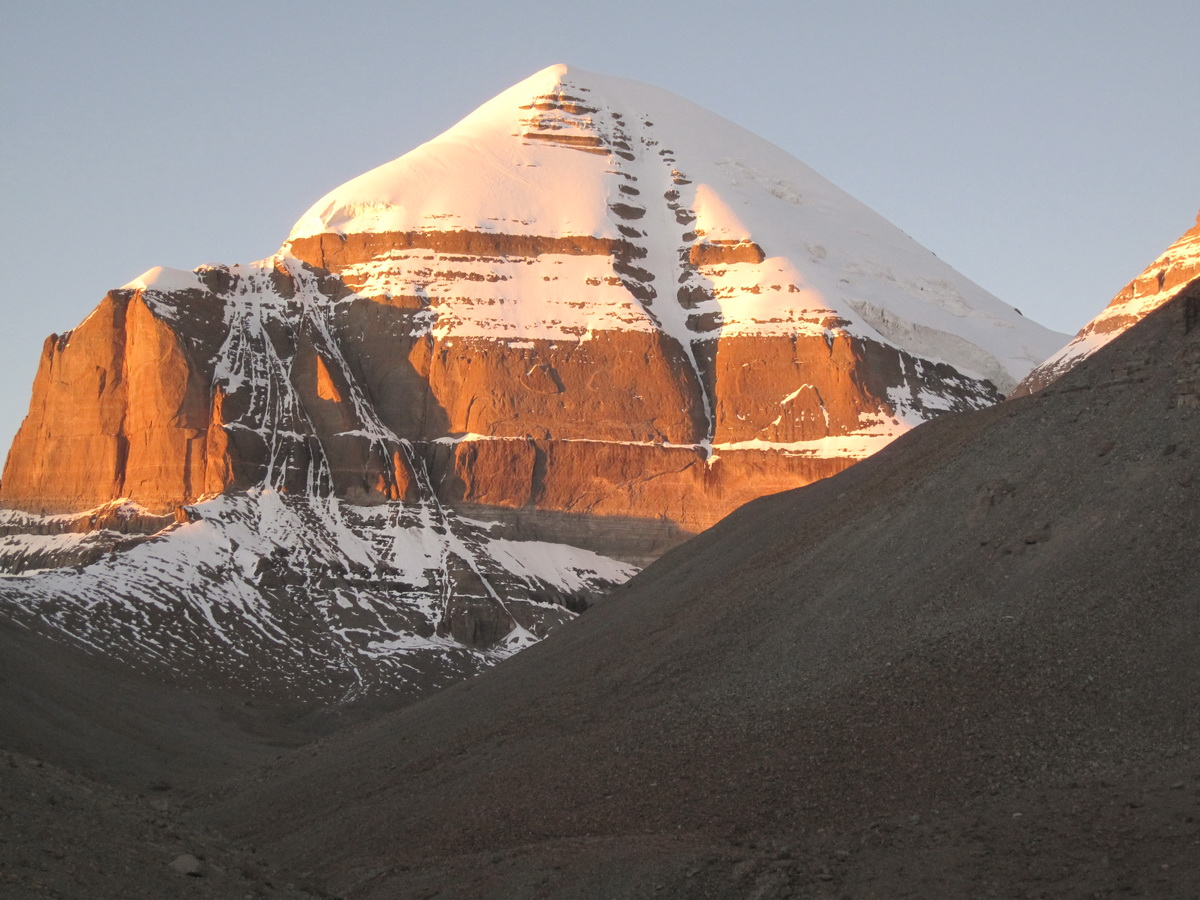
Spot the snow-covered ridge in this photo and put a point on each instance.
(307, 594)
(664, 175)
(1173, 270)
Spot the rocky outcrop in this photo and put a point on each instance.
(338, 252)
(1178, 266)
(594, 333)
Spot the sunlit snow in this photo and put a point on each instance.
(827, 255)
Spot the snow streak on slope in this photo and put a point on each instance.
(306, 597)
(742, 236)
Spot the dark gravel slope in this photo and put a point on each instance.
(969, 665)
(99, 770)
(96, 717)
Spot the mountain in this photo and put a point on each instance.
(1158, 283)
(476, 387)
(967, 666)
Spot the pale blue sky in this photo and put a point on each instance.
(1047, 150)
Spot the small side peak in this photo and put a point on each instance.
(164, 279)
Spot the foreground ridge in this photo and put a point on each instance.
(966, 665)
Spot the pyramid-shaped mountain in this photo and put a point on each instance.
(590, 319)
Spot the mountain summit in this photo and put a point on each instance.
(591, 318)
(757, 243)
(753, 327)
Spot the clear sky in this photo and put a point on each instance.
(1047, 150)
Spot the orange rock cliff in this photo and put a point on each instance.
(133, 404)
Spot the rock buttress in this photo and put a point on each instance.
(117, 411)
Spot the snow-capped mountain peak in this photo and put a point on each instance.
(569, 154)
(587, 321)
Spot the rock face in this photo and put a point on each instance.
(117, 410)
(591, 312)
(1159, 282)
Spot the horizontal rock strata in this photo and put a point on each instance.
(279, 376)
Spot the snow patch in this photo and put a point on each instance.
(165, 280)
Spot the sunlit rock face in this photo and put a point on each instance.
(591, 313)
(114, 404)
(1178, 266)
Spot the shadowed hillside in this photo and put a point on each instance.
(967, 665)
